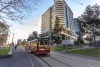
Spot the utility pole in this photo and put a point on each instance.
(13, 37)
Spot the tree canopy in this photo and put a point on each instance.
(4, 29)
(90, 19)
(32, 36)
(16, 10)
(89, 22)
(58, 28)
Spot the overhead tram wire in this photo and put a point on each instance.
(49, 4)
(41, 7)
(79, 3)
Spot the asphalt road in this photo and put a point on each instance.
(63, 59)
(56, 59)
(20, 59)
(74, 60)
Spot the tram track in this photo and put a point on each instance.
(62, 56)
(44, 60)
(75, 59)
(47, 61)
(54, 60)
(61, 62)
(87, 62)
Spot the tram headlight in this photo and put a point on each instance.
(41, 49)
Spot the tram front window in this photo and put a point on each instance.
(43, 43)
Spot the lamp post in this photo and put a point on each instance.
(13, 37)
(13, 34)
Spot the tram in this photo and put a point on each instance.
(38, 46)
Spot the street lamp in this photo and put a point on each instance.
(13, 37)
(13, 34)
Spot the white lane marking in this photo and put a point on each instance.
(93, 61)
(90, 65)
(30, 60)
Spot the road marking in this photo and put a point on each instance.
(93, 61)
(91, 65)
(30, 60)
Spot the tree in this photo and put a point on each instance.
(62, 29)
(4, 29)
(29, 38)
(16, 10)
(90, 19)
(81, 27)
(57, 27)
(57, 31)
(23, 42)
(34, 35)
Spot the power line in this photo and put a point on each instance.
(78, 2)
(41, 6)
(49, 4)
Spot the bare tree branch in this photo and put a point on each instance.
(16, 10)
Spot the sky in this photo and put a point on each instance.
(33, 23)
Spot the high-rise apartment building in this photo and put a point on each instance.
(58, 9)
(46, 21)
(76, 26)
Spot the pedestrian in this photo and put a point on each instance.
(15, 47)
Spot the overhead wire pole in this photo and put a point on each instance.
(13, 37)
(13, 34)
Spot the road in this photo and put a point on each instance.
(56, 59)
(20, 59)
(63, 59)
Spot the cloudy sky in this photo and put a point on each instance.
(33, 23)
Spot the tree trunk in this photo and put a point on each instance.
(94, 38)
(57, 43)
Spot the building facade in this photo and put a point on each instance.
(46, 21)
(76, 26)
(59, 9)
